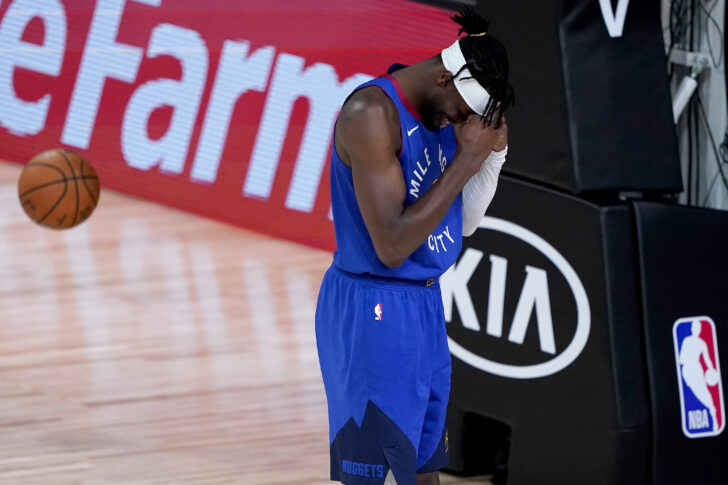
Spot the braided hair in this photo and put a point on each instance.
(487, 61)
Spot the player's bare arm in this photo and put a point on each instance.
(368, 139)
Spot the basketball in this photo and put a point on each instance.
(58, 189)
(711, 377)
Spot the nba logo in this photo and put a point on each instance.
(698, 377)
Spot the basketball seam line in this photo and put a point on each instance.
(75, 182)
(65, 189)
(83, 164)
(66, 179)
(49, 166)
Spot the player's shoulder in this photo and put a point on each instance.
(369, 105)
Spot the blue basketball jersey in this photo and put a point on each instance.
(424, 156)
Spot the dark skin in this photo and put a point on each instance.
(368, 138)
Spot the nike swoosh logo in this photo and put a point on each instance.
(409, 132)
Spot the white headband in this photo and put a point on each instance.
(472, 92)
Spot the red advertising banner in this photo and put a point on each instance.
(224, 109)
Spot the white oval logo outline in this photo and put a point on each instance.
(583, 312)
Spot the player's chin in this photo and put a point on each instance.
(444, 119)
(430, 124)
(436, 122)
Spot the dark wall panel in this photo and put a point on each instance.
(593, 111)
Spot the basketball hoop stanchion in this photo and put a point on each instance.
(577, 310)
(564, 413)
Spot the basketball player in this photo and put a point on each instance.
(414, 165)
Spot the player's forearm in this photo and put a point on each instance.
(478, 192)
(416, 222)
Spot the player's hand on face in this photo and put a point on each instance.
(502, 136)
(475, 140)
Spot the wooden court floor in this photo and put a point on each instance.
(151, 346)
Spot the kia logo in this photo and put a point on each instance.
(534, 298)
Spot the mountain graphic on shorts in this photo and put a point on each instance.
(357, 454)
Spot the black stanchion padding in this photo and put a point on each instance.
(684, 273)
(553, 263)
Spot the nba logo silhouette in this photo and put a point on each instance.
(698, 377)
(378, 312)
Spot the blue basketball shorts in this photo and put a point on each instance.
(382, 347)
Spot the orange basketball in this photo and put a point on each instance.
(58, 188)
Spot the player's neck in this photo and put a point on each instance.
(412, 82)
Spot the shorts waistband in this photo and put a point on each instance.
(386, 281)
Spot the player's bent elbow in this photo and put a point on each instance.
(391, 262)
(471, 222)
(389, 257)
